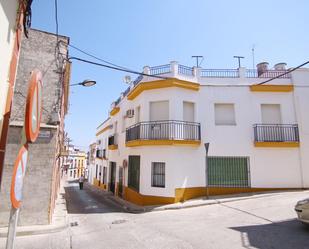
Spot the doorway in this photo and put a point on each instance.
(112, 179)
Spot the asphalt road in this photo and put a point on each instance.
(266, 222)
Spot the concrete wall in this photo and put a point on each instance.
(42, 176)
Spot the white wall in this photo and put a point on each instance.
(8, 11)
(185, 165)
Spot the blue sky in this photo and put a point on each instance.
(135, 33)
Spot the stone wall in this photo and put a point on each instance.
(41, 179)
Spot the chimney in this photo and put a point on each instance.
(280, 66)
(262, 68)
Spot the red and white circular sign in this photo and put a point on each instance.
(33, 106)
(19, 170)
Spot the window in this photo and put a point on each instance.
(96, 171)
(123, 128)
(228, 171)
(188, 111)
(224, 114)
(159, 110)
(271, 114)
(158, 174)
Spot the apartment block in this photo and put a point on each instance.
(184, 132)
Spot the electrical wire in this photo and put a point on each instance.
(287, 72)
(95, 57)
(115, 68)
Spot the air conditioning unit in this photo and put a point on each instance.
(130, 113)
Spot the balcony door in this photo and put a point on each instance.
(187, 133)
(271, 115)
(159, 127)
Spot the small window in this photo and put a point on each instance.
(158, 174)
(225, 114)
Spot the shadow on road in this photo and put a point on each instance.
(87, 201)
(284, 235)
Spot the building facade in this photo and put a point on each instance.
(77, 163)
(12, 16)
(152, 148)
(42, 178)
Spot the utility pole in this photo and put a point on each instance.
(197, 57)
(238, 57)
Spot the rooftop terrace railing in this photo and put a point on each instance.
(185, 70)
(253, 73)
(219, 73)
(163, 69)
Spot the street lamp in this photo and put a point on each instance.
(86, 83)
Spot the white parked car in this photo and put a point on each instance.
(302, 210)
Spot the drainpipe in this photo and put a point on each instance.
(298, 120)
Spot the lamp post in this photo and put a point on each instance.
(86, 83)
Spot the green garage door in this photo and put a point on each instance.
(228, 172)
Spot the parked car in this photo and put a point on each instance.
(302, 210)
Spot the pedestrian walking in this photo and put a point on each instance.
(81, 181)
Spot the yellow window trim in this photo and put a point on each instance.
(104, 129)
(113, 147)
(114, 111)
(136, 143)
(173, 82)
(271, 88)
(277, 144)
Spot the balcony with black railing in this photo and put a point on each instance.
(112, 142)
(276, 135)
(168, 132)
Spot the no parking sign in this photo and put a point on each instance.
(31, 130)
(19, 170)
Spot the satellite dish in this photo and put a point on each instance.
(127, 79)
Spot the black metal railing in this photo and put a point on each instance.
(160, 69)
(138, 80)
(112, 140)
(253, 73)
(185, 70)
(276, 133)
(220, 73)
(164, 130)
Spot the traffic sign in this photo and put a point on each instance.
(19, 170)
(33, 106)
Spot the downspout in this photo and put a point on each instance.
(298, 120)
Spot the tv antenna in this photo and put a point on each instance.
(127, 79)
(238, 58)
(197, 57)
(253, 56)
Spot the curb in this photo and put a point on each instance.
(133, 208)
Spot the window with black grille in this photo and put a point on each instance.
(158, 174)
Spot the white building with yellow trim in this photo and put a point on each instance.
(152, 148)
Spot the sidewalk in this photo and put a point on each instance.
(59, 221)
(203, 201)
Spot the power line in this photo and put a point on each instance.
(115, 68)
(95, 57)
(287, 72)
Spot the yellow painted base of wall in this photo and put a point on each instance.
(113, 147)
(145, 200)
(136, 143)
(277, 144)
(183, 194)
(271, 88)
(98, 184)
